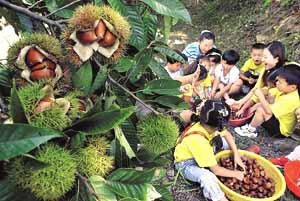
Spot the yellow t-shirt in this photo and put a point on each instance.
(201, 84)
(284, 108)
(259, 84)
(251, 66)
(196, 147)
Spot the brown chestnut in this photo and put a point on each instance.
(44, 104)
(33, 57)
(45, 64)
(86, 37)
(42, 74)
(108, 40)
(100, 29)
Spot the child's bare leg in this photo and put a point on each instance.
(218, 94)
(254, 107)
(260, 117)
(236, 87)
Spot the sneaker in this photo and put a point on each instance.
(245, 131)
(279, 161)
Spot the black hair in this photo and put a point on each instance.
(277, 49)
(258, 46)
(207, 35)
(231, 57)
(215, 54)
(291, 73)
(193, 67)
(214, 112)
(172, 60)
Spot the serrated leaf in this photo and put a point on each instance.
(164, 50)
(159, 69)
(102, 122)
(150, 22)
(16, 139)
(102, 190)
(124, 143)
(173, 102)
(16, 107)
(163, 87)
(138, 36)
(100, 79)
(82, 79)
(172, 8)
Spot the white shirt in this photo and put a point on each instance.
(230, 77)
(173, 74)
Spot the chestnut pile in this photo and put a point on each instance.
(255, 184)
(100, 33)
(40, 66)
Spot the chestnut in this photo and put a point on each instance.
(45, 64)
(108, 40)
(33, 57)
(100, 29)
(42, 74)
(44, 104)
(86, 37)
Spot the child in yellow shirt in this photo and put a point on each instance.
(250, 71)
(278, 117)
(195, 149)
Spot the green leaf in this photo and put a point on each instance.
(16, 107)
(102, 190)
(109, 100)
(164, 50)
(173, 102)
(166, 195)
(103, 121)
(98, 107)
(173, 8)
(82, 79)
(100, 79)
(78, 140)
(143, 59)
(9, 192)
(159, 69)
(124, 143)
(163, 87)
(138, 37)
(16, 139)
(167, 28)
(150, 22)
(131, 184)
(99, 2)
(5, 77)
(124, 65)
(32, 163)
(53, 5)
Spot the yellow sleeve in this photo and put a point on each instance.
(202, 151)
(282, 106)
(260, 83)
(246, 66)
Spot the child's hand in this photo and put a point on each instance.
(251, 80)
(239, 175)
(238, 161)
(184, 88)
(240, 112)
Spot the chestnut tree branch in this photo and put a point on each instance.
(36, 3)
(30, 14)
(63, 7)
(86, 183)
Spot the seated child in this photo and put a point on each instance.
(214, 55)
(278, 117)
(174, 67)
(281, 161)
(226, 74)
(197, 49)
(196, 147)
(252, 68)
(199, 87)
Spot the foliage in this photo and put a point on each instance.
(158, 133)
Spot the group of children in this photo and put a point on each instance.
(209, 83)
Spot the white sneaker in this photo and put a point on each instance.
(245, 131)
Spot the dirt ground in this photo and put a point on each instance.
(238, 24)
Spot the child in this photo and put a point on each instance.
(197, 49)
(278, 117)
(274, 58)
(174, 67)
(195, 148)
(200, 86)
(226, 74)
(214, 55)
(281, 161)
(252, 68)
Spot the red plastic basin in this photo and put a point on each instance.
(241, 121)
(291, 174)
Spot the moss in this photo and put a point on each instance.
(44, 41)
(158, 133)
(92, 159)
